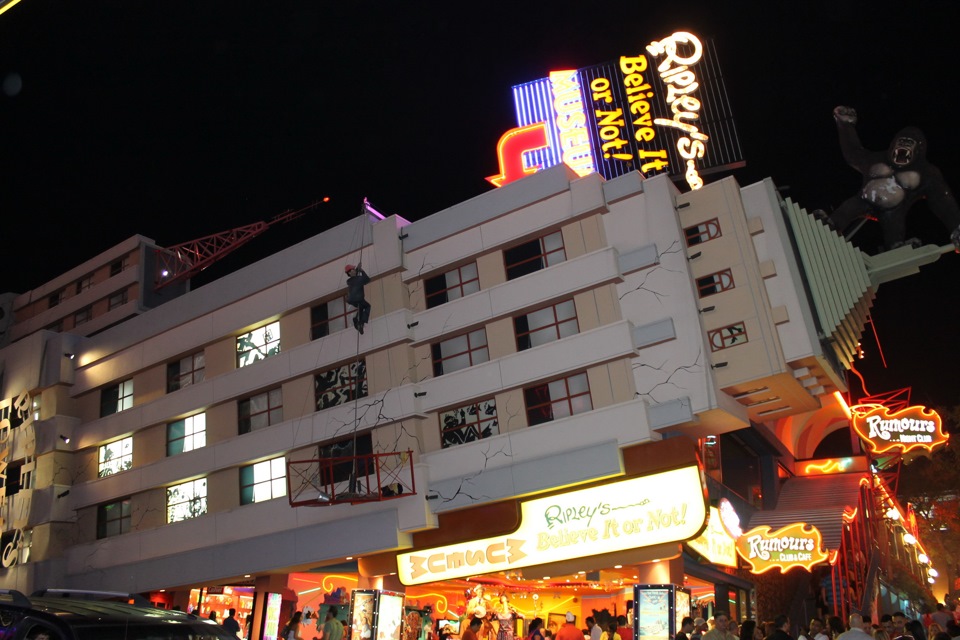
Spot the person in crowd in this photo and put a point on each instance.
(941, 616)
(594, 628)
(699, 628)
(880, 634)
(943, 635)
(248, 626)
(213, 616)
(899, 622)
(867, 624)
(506, 616)
(733, 629)
(953, 629)
(835, 627)
(719, 631)
(230, 622)
(933, 629)
(686, 628)
(624, 629)
(748, 630)
(914, 629)
(611, 632)
(291, 630)
(856, 631)
(332, 628)
(470, 633)
(536, 629)
(817, 630)
(886, 623)
(781, 628)
(479, 605)
(569, 630)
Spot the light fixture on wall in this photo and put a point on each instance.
(63, 494)
(65, 439)
(682, 205)
(694, 256)
(719, 365)
(69, 356)
(708, 309)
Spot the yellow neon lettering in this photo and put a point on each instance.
(630, 65)
(690, 149)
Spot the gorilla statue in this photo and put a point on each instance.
(892, 181)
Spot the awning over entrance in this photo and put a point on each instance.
(816, 500)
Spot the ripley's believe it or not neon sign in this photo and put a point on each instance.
(796, 545)
(654, 112)
(910, 428)
(612, 517)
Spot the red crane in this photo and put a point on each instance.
(183, 261)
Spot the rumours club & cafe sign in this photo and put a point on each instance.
(796, 545)
(911, 428)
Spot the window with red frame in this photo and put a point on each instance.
(700, 233)
(726, 337)
(460, 352)
(714, 283)
(451, 285)
(328, 317)
(558, 399)
(261, 410)
(534, 255)
(546, 325)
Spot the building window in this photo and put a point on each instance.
(187, 434)
(55, 298)
(258, 344)
(715, 283)
(56, 326)
(84, 315)
(118, 266)
(546, 325)
(460, 352)
(116, 457)
(84, 283)
(468, 423)
(340, 385)
(186, 371)
(116, 300)
(726, 337)
(702, 232)
(328, 317)
(261, 410)
(558, 399)
(187, 500)
(113, 519)
(534, 255)
(12, 480)
(263, 481)
(451, 285)
(116, 398)
(351, 449)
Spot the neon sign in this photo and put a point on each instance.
(715, 543)
(796, 545)
(904, 430)
(628, 514)
(664, 110)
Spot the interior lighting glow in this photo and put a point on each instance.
(923, 558)
(893, 514)
(909, 538)
(933, 572)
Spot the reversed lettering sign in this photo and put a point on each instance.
(715, 543)
(612, 517)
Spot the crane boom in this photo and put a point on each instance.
(183, 261)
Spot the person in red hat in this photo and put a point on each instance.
(356, 281)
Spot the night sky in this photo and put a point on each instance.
(176, 120)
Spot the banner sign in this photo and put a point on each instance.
(612, 517)
(902, 430)
(715, 543)
(661, 110)
(796, 545)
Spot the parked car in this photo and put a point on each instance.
(97, 615)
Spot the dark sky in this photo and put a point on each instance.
(178, 119)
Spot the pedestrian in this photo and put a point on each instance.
(470, 633)
(569, 630)
(332, 629)
(594, 628)
(781, 628)
(719, 631)
(291, 630)
(856, 631)
(686, 628)
(230, 622)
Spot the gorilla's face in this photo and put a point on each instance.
(904, 151)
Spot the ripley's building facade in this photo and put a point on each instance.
(568, 387)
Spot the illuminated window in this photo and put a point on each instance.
(328, 317)
(460, 352)
(714, 283)
(340, 385)
(727, 337)
(186, 371)
(261, 410)
(116, 398)
(187, 500)
(55, 298)
(702, 232)
(187, 434)
(534, 255)
(468, 423)
(546, 325)
(258, 345)
(263, 481)
(113, 519)
(117, 299)
(118, 266)
(451, 285)
(116, 457)
(82, 316)
(84, 283)
(558, 399)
